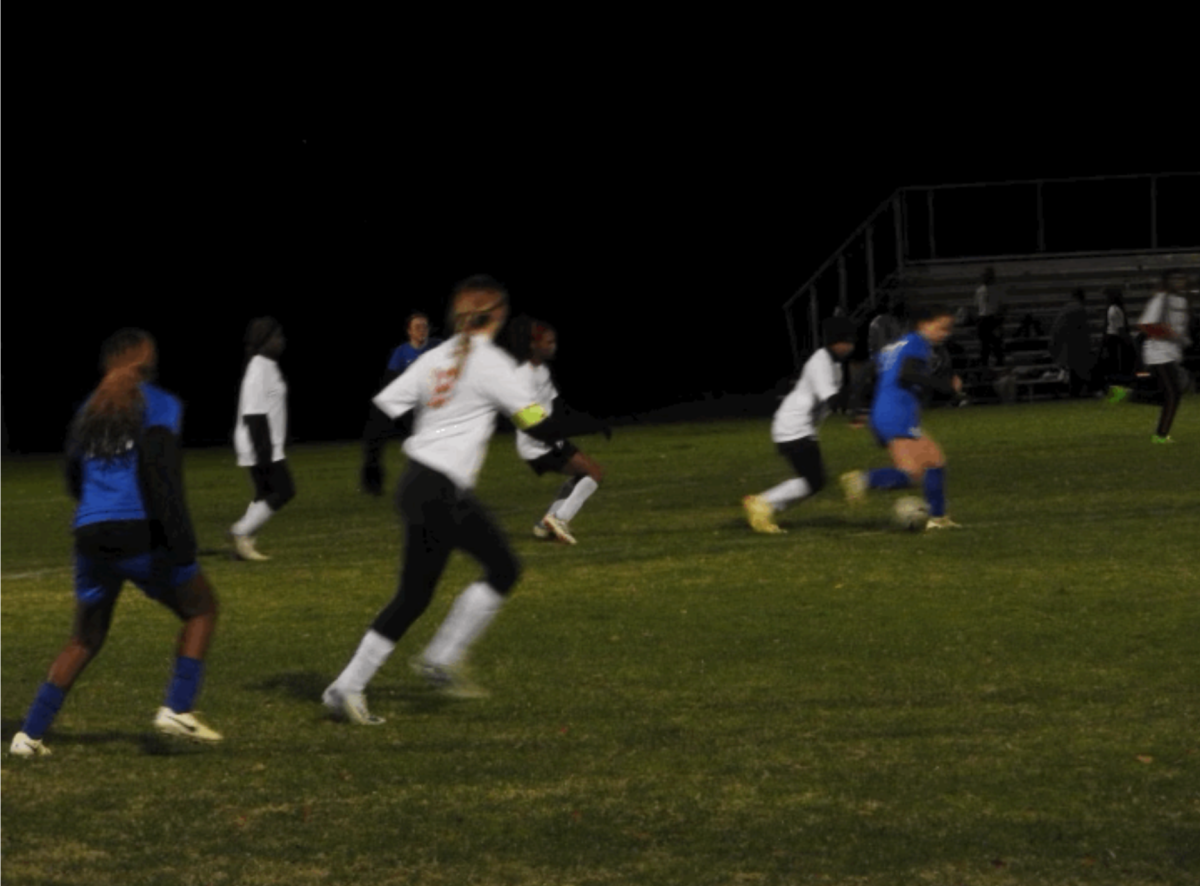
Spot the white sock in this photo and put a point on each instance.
(372, 652)
(569, 508)
(470, 615)
(787, 492)
(256, 515)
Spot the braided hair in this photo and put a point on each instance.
(471, 305)
(111, 419)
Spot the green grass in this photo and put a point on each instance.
(676, 700)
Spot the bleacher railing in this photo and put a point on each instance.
(993, 221)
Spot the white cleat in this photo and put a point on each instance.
(542, 531)
(560, 528)
(449, 680)
(941, 523)
(243, 546)
(184, 725)
(351, 706)
(24, 746)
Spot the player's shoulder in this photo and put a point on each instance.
(162, 407)
(492, 355)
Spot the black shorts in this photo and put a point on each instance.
(805, 457)
(554, 460)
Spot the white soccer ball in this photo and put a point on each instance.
(911, 513)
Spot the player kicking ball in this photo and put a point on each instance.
(905, 378)
(794, 428)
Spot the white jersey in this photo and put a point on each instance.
(1172, 310)
(1114, 320)
(457, 415)
(264, 392)
(538, 377)
(803, 409)
(988, 300)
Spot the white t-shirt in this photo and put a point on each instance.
(264, 392)
(1115, 320)
(1172, 310)
(988, 300)
(456, 417)
(538, 377)
(803, 409)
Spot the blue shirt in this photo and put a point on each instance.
(111, 490)
(896, 410)
(405, 355)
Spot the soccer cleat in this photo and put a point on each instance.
(542, 531)
(1116, 393)
(854, 485)
(941, 523)
(1157, 439)
(560, 528)
(243, 545)
(449, 680)
(351, 706)
(184, 725)
(24, 746)
(761, 515)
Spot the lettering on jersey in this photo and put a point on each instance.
(443, 384)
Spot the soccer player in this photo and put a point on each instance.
(456, 390)
(260, 433)
(794, 428)
(905, 377)
(534, 344)
(124, 466)
(379, 427)
(1165, 322)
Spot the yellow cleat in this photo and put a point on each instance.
(761, 515)
(854, 485)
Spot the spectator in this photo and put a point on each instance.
(1071, 343)
(989, 308)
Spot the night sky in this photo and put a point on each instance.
(661, 245)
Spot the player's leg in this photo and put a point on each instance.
(478, 605)
(1168, 380)
(97, 587)
(273, 488)
(804, 455)
(192, 598)
(585, 475)
(925, 463)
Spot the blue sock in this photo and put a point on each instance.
(935, 491)
(44, 709)
(887, 478)
(185, 684)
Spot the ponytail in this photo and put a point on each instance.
(110, 421)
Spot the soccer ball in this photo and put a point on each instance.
(911, 513)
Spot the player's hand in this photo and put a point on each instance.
(958, 384)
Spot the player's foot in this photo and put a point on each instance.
(542, 531)
(351, 706)
(941, 523)
(560, 528)
(854, 485)
(1157, 439)
(184, 725)
(1116, 393)
(24, 746)
(761, 515)
(449, 680)
(244, 549)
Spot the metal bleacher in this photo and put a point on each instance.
(1044, 239)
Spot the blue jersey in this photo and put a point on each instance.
(405, 355)
(111, 490)
(896, 410)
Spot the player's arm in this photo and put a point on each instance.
(73, 473)
(255, 407)
(400, 396)
(575, 423)
(160, 469)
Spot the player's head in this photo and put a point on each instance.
(1112, 296)
(935, 322)
(543, 341)
(111, 419)
(839, 335)
(478, 304)
(417, 329)
(264, 336)
(1174, 280)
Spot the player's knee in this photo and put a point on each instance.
(596, 472)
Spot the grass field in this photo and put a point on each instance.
(676, 700)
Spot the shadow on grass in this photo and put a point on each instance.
(307, 686)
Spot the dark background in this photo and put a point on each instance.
(660, 239)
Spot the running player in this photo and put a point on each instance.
(905, 378)
(456, 390)
(1165, 321)
(794, 428)
(124, 466)
(534, 344)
